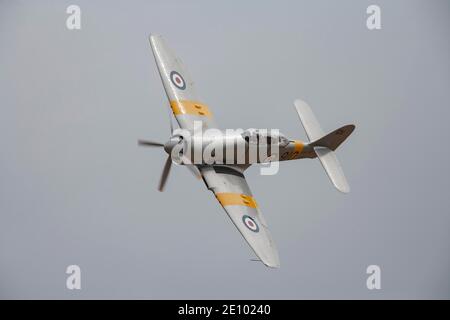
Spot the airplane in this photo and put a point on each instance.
(227, 180)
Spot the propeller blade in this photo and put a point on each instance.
(148, 143)
(165, 173)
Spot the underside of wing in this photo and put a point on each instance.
(179, 87)
(233, 193)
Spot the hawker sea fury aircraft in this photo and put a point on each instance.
(231, 153)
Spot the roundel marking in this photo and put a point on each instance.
(250, 223)
(177, 80)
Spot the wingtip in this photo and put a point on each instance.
(269, 258)
(272, 260)
(272, 266)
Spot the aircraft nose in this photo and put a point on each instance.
(169, 145)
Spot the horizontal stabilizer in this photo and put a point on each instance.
(309, 121)
(324, 145)
(333, 168)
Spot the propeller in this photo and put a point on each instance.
(168, 164)
(149, 143)
(165, 174)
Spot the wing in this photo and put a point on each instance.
(180, 88)
(231, 190)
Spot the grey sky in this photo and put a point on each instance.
(75, 188)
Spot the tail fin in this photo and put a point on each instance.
(334, 139)
(324, 146)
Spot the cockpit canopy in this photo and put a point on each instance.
(264, 136)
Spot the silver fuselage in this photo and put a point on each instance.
(234, 148)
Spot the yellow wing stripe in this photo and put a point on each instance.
(190, 107)
(236, 199)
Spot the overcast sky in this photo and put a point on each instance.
(76, 189)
